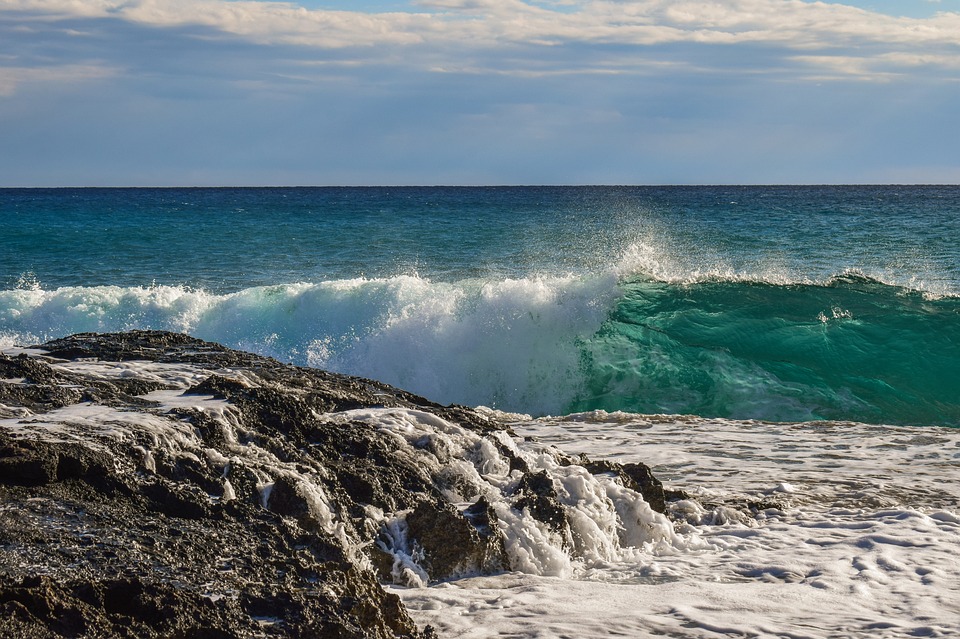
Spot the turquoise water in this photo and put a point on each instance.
(850, 349)
(779, 303)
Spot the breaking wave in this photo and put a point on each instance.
(764, 346)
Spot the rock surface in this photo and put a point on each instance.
(154, 485)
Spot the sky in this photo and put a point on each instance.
(386, 92)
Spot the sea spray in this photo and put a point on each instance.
(506, 343)
(511, 344)
(602, 521)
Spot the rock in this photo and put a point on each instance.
(252, 499)
(637, 476)
(536, 494)
(456, 544)
(27, 463)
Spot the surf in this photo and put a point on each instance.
(850, 348)
(506, 343)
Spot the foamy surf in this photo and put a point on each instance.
(855, 533)
(509, 343)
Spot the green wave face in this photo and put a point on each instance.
(852, 349)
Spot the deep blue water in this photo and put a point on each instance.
(783, 303)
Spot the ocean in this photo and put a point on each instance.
(796, 346)
(778, 303)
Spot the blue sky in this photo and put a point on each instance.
(218, 92)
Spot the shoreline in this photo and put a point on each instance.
(139, 470)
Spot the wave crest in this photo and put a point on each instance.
(508, 343)
(661, 262)
(849, 348)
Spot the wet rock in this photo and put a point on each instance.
(636, 476)
(536, 494)
(253, 506)
(116, 532)
(455, 544)
(27, 463)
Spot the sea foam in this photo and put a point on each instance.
(510, 343)
(854, 533)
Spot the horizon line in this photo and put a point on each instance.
(480, 186)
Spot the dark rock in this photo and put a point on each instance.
(43, 389)
(27, 463)
(286, 500)
(128, 547)
(635, 476)
(245, 521)
(176, 500)
(536, 494)
(646, 484)
(455, 544)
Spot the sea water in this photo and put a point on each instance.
(795, 347)
(781, 303)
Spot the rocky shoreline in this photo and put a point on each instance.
(154, 485)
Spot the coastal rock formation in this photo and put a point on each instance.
(154, 485)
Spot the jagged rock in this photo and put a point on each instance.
(249, 504)
(27, 463)
(536, 494)
(455, 544)
(95, 543)
(636, 476)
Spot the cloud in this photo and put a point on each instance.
(884, 67)
(786, 39)
(471, 91)
(470, 24)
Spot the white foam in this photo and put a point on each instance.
(180, 376)
(515, 339)
(662, 258)
(406, 568)
(859, 539)
(228, 493)
(94, 424)
(608, 522)
(656, 258)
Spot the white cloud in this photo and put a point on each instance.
(475, 33)
(790, 22)
(63, 8)
(883, 67)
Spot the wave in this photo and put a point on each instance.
(852, 348)
(740, 345)
(661, 260)
(512, 343)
